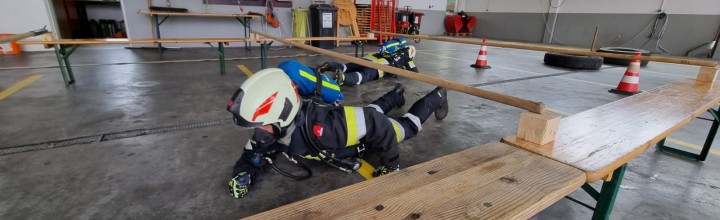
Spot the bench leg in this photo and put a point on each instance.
(246, 27)
(608, 193)
(248, 30)
(61, 63)
(362, 49)
(606, 197)
(221, 54)
(263, 54)
(64, 63)
(157, 31)
(706, 147)
(357, 45)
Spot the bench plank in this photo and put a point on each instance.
(197, 14)
(133, 41)
(602, 139)
(494, 180)
(178, 40)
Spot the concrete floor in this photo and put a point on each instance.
(155, 142)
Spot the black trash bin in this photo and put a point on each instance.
(322, 23)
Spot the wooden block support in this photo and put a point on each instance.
(47, 37)
(707, 74)
(538, 128)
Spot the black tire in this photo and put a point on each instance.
(623, 50)
(573, 61)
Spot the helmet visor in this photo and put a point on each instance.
(234, 108)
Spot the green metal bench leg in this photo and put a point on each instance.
(357, 47)
(64, 63)
(157, 32)
(66, 58)
(362, 48)
(221, 54)
(263, 54)
(61, 63)
(608, 193)
(248, 30)
(706, 146)
(606, 197)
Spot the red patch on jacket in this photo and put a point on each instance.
(318, 130)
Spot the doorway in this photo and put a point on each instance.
(81, 19)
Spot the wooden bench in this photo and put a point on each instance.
(65, 47)
(491, 181)
(244, 19)
(600, 141)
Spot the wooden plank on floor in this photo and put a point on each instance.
(493, 180)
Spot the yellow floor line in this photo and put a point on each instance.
(525, 71)
(366, 170)
(14, 88)
(691, 146)
(245, 70)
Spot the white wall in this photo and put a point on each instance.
(699, 7)
(20, 16)
(139, 26)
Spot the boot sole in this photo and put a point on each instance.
(442, 112)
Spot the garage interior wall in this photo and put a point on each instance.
(690, 23)
(21, 16)
(139, 26)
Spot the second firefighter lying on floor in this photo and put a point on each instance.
(394, 53)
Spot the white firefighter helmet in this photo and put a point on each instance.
(411, 51)
(267, 97)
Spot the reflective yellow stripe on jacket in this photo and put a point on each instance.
(399, 131)
(355, 121)
(377, 60)
(325, 84)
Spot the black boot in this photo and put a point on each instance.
(399, 90)
(394, 98)
(434, 102)
(331, 66)
(442, 112)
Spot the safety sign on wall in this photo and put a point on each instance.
(327, 20)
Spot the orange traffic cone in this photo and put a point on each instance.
(481, 61)
(631, 80)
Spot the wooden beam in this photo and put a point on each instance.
(536, 107)
(557, 49)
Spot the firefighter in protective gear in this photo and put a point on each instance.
(354, 74)
(306, 81)
(285, 122)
